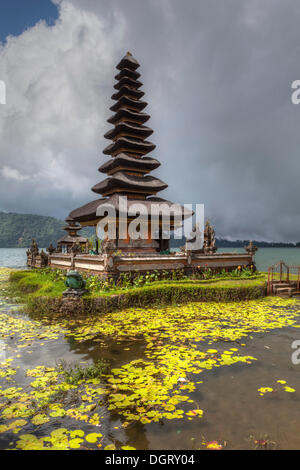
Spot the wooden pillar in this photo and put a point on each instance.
(280, 271)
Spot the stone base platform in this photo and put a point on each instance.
(113, 266)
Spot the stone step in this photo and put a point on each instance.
(284, 288)
(280, 284)
(285, 291)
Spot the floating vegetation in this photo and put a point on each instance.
(214, 445)
(263, 390)
(166, 355)
(59, 439)
(74, 373)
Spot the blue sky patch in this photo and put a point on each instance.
(18, 15)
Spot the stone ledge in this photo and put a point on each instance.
(156, 296)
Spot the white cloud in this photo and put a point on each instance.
(12, 174)
(54, 119)
(217, 78)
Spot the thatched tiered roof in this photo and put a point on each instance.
(127, 175)
(72, 236)
(128, 168)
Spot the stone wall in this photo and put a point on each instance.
(109, 265)
(144, 297)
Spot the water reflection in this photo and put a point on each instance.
(2, 351)
(234, 412)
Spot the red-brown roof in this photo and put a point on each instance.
(129, 82)
(130, 129)
(69, 239)
(128, 168)
(129, 62)
(121, 180)
(128, 73)
(88, 212)
(128, 91)
(130, 115)
(123, 160)
(126, 102)
(126, 144)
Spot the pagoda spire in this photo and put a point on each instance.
(129, 166)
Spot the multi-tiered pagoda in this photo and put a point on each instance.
(128, 174)
(129, 166)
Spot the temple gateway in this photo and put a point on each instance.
(128, 171)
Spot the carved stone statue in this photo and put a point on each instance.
(74, 280)
(210, 238)
(76, 248)
(76, 285)
(208, 247)
(51, 249)
(251, 248)
(32, 253)
(44, 259)
(34, 249)
(108, 246)
(108, 263)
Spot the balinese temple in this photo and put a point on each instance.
(67, 243)
(128, 173)
(129, 166)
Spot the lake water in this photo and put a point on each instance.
(13, 257)
(235, 414)
(265, 257)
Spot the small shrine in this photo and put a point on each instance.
(72, 242)
(35, 257)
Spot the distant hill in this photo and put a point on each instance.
(17, 230)
(223, 243)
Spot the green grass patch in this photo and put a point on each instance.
(35, 283)
(41, 292)
(43, 283)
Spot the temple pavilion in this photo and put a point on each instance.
(67, 243)
(128, 173)
(129, 166)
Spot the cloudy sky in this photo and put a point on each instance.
(217, 76)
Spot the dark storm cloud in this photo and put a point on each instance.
(217, 76)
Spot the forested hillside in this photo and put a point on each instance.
(17, 230)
